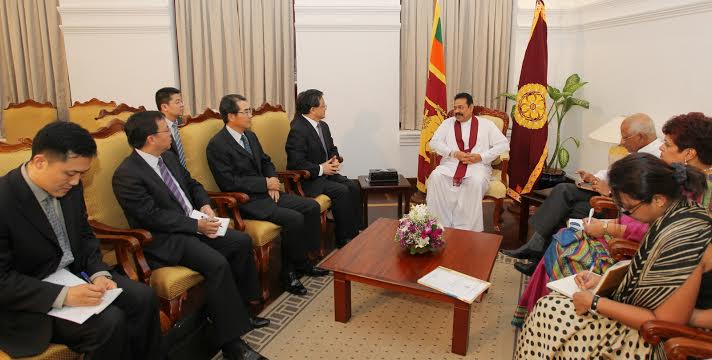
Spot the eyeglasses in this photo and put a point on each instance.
(161, 131)
(247, 112)
(629, 212)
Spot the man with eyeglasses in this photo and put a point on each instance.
(170, 103)
(568, 201)
(310, 147)
(239, 163)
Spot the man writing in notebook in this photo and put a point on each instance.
(43, 229)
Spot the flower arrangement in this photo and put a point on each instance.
(420, 231)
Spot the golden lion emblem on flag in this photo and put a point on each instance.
(531, 106)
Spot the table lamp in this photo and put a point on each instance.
(610, 132)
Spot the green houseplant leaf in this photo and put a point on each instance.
(563, 101)
(554, 93)
(571, 81)
(563, 157)
(509, 96)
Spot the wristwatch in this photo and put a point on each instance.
(594, 305)
(605, 228)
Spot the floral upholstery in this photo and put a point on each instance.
(26, 121)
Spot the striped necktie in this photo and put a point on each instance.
(179, 143)
(246, 143)
(172, 185)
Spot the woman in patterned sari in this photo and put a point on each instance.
(662, 281)
(687, 141)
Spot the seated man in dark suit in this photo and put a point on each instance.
(158, 194)
(238, 163)
(310, 147)
(44, 228)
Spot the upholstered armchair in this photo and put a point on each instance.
(86, 112)
(179, 288)
(105, 117)
(196, 132)
(272, 126)
(681, 341)
(23, 120)
(500, 179)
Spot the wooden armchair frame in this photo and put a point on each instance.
(118, 110)
(682, 340)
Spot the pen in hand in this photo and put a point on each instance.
(85, 277)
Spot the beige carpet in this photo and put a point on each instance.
(386, 324)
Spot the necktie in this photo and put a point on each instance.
(246, 143)
(60, 231)
(179, 143)
(172, 185)
(321, 137)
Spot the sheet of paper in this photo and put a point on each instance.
(224, 222)
(455, 284)
(78, 314)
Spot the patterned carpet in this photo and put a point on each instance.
(386, 324)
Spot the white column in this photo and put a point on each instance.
(121, 50)
(350, 49)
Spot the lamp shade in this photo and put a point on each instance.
(610, 132)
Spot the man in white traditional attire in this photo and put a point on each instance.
(468, 145)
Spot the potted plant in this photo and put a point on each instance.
(562, 101)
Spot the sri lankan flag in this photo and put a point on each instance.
(435, 108)
(529, 131)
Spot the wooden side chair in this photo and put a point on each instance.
(23, 120)
(272, 126)
(499, 179)
(84, 113)
(681, 341)
(196, 132)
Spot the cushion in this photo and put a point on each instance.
(261, 232)
(272, 129)
(53, 352)
(99, 196)
(497, 121)
(195, 138)
(84, 114)
(11, 160)
(324, 202)
(497, 189)
(172, 281)
(26, 121)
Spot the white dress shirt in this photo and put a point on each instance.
(236, 135)
(152, 161)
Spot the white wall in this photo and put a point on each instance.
(639, 56)
(119, 50)
(349, 49)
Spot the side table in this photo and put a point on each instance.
(402, 189)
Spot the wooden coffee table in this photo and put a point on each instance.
(375, 258)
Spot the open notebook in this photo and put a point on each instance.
(608, 283)
(455, 284)
(78, 314)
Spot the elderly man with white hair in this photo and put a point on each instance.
(568, 201)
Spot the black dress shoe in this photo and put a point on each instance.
(526, 269)
(293, 286)
(313, 271)
(522, 253)
(239, 350)
(258, 322)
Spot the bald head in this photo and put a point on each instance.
(637, 131)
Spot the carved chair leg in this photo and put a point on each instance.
(262, 261)
(498, 209)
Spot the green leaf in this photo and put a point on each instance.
(570, 90)
(509, 96)
(571, 81)
(554, 93)
(567, 105)
(580, 102)
(511, 113)
(563, 157)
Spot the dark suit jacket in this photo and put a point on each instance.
(305, 152)
(234, 169)
(148, 204)
(29, 252)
